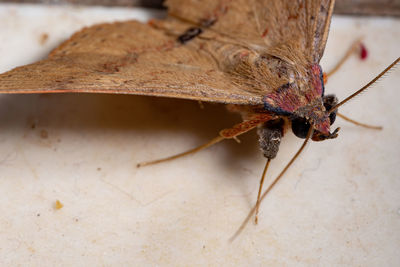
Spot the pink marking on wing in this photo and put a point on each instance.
(285, 99)
(316, 80)
(288, 98)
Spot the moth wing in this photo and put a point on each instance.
(128, 58)
(135, 58)
(289, 35)
(301, 24)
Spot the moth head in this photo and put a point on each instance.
(320, 120)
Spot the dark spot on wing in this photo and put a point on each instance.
(189, 34)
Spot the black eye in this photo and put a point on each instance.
(332, 117)
(300, 127)
(329, 102)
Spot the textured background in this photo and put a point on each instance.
(338, 205)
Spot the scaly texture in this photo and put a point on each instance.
(246, 51)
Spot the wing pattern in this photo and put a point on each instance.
(248, 49)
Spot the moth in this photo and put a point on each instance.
(261, 57)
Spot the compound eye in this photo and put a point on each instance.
(300, 127)
(332, 117)
(329, 102)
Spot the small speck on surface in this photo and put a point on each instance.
(58, 205)
(43, 38)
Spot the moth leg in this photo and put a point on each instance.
(354, 48)
(270, 134)
(191, 151)
(359, 123)
(230, 133)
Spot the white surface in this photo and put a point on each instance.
(338, 205)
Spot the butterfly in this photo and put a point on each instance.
(260, 57)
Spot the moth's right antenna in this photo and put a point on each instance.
(366, 86)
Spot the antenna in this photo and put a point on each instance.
(365, 86)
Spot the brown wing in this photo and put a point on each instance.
(251, 49)
(301, 24)
(127, 58)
